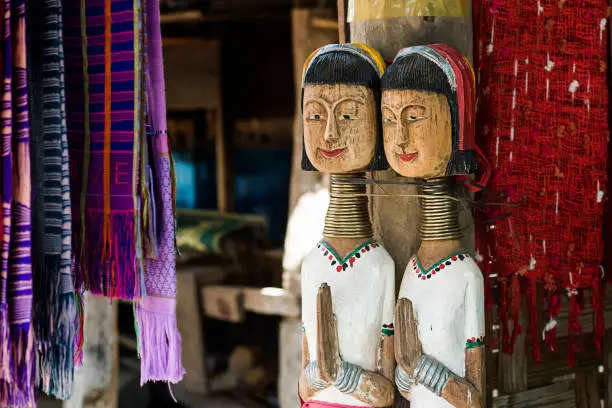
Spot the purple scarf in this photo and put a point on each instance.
(16, 339)
(159, 339)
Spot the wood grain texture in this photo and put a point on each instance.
(560, 395)
(189, 321)
(512, 374)
(272, 301)
(408, 348)
(192, 74)
(607, 362)
(328, 351)
(223, 303)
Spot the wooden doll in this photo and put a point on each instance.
(427, 112)
(348, 283)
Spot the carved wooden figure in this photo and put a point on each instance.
(348, 283)
(427, 112)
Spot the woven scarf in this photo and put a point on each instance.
(102, 47)
(543, 124)
(54, 299)
(122, 181)
(17, 384)
(159, 339)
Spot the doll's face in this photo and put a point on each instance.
(340, 127)
(417, 132)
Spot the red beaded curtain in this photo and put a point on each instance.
(542, 121)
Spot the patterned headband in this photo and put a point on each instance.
(435, 57)
(362, 51)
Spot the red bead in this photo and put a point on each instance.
(338, 268)
(442, 266)
(330, 257)
(473, 338)
(454, 258)
(424, 278)
(362, 249)
(433, 272)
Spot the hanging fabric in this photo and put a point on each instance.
(55, 309)
(543, 125)
(159, 340)
(122, 178)
(17, 340)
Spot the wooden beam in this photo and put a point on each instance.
(190, 325)
(342, 25)
(223, 303)
(231, 302)
(324, 23)
(560, 395)
(96, 384)
(587, 390)
(272, 301)
(607, 363)
(512, 377)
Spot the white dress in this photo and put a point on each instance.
(363, 297)
(448, 300)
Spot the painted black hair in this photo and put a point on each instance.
(414, 71)
(343, 67)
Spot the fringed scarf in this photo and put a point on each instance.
(159, 340)
(102, 55)
(121, 181)
(16, 343)
(543, 123)
(54, 298)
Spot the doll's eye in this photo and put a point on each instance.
(389, 120)
(346, 116)
(316, 116)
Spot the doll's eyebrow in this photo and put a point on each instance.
(397, 112)
(332, 105)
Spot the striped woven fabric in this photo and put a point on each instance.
(114, 204)
(101, 38)
(54, 299)
(17, 385)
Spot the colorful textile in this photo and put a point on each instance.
(102, 46)
(204, 232)
(16, 340)
(159, 341)
(122, 184)
(543, 124)
(54, 299)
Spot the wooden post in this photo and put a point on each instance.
(96, 383)
(512, 375)
(607, 362)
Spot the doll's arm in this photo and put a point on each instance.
(366, 386)
(309, 383)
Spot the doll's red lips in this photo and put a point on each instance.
(408, 157)
(330, 154)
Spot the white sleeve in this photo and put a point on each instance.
(474, 310)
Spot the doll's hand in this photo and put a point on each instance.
(328, 352)
(408, 348)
